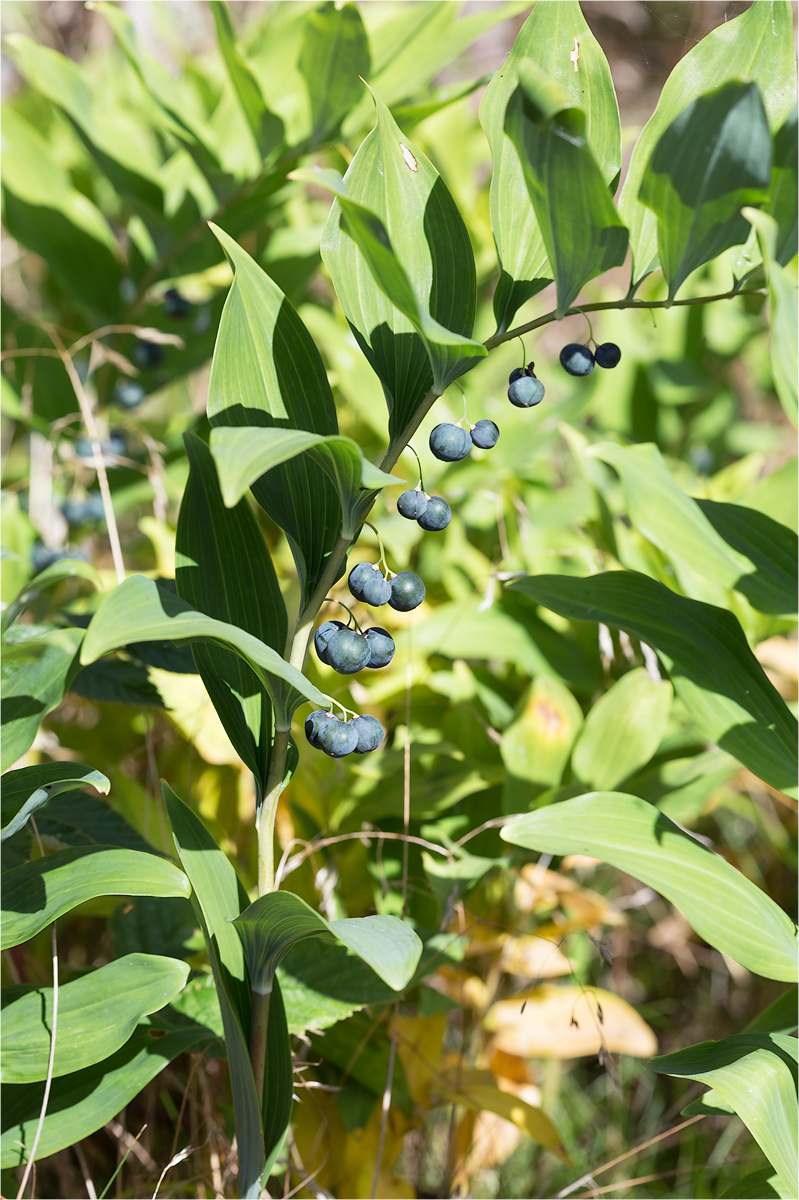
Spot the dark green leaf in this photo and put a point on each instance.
(781, 1016)
(581, 230)
(267, 371)
(334, 58)
(783, 304)
(28, 788)
(783, 191)
(278, 1080)
(720, 903)
(712, 159)
(772, 548)
(710, 663)
(764, 1184)
(323, 983)
(114, 681)
(35, 687)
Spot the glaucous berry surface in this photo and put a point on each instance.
(347, 651)
(576, 359)
(323, 635)
(437, 515)
(516, 373)
(381, 646)
(128, 393)
(607, 355)
(369, 733)
(361, 575)
(407, 591)
(376, 591)
(449, 443)
(314, 722)
(485, 435)
(526, 391)
(412, 504)
(337, 738)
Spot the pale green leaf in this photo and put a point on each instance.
(711, 666)
(265, 129)
(782, 201)
(581, 230)
(756, 1075)
(756, 45)
(720, 903)
(712, 159)
(97, 1013)
(138, 611)
(28, 788)
(334, 58)
(784, 314)
(57, 572)
(38, 892)
(274, 923)
(546, 39)
(622, 730)
(536, 746)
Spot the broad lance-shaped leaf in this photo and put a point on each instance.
(25, 790)
(756, 1075)
(334, 57)
(402, 265)
(547, 39)
(84, 1101)
(757, 45)
(264, 128)
(267, 371)
(139, 611)
(711, 666)
(33, 687)
(243, 455)
(735, 546)
(273, 923)
(223, 568)
(57, 572)
(782, 200)
(714, 158)
(622, 730)
(37, 892)
(217, 896)
(581, 230)
(97, 1013)
(720, 903)
(783, 304)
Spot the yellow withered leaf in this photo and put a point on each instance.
(533, 957)
(568, 1022)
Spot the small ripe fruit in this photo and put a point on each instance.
(175, 305)
(412, 504)
(376, 591)
(128, 393)
(526, 392)
(516, 373)
(607, 355)
(485, 435)
(323, 635)
(147, 355)
(112, 447)
(337, 738)
(381, 646)
(407, 591)
(347, 651)
(79, 512)
(576, 359)
(437, 515)
(449, 443)
(361, 575)
(369, 731)
(314, 723)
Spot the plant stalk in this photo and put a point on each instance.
(259, 1025)
(268, 811)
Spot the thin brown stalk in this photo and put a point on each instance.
(386, 1105)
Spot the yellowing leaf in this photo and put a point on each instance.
(191, 710)
(534, 957)
(477, 1089)
(568, 1022)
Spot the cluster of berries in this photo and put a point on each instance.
(129, 393)
(360, 735)
(449, 443)
(577, 359)
(525, 390)
(348, 650)
(431, 512)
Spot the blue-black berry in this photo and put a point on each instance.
(407, 591)
(526, 392)
(147, 355)
(381, 646)
(369, 731)
(449, 443)
(437, 515)
(337, 738)
(412, 504)
(323, 635)
(485, 435)
(607, 355)
(576, 359)
(128, 393)
(347, 651)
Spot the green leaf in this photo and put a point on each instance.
(223, 568)
(334, 57)
(84, 1101)
(581, 230)
(720, 903)
(764, 1184)
(243, 455)
(34, 688)
(273, 923)
(267, 371)
(622, 730)
(756, 1075)
(139, 611)
(714, 158)
(784, 306)
(57, 572)
(29, 788)
(725, 543)
(97, 1013)
(545, 39)
(781, 1016)
(265, 128)
(782, 201)
(536, 746)
(278, 1080)
(38, 892)
(323, 983)
(116, 681)
(402, 265)
(757, 45)
(712, 668)
(217, 896)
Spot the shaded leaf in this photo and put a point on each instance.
(720, 903)
(764, 1184)
(783, 304)
(115, 681)
(711, 666)
(756, 1075)
(772, 548)
(97, 1013)
(34, 687)
(38, 892)
(622, 730)
(27, 788)
(57, 572)
(581, 230)
(781, 1016)
(782, 201)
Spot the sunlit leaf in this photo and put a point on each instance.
(622, 730)
(265, 128)
(28, 788)
(334, 58)
(536, 746)
(720, 903)
(35, 686)
(563, 1021)
(784, 305)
